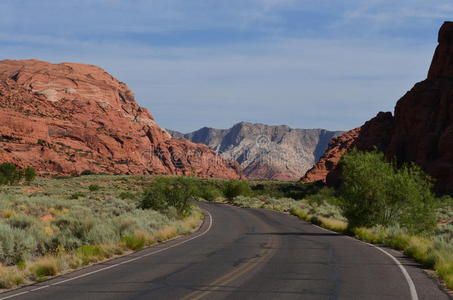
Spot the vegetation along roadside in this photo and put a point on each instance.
(51, 226)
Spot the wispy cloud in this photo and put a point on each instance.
(197, 63)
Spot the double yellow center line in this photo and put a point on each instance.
(244, 268)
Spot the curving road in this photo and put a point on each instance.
(246, 254)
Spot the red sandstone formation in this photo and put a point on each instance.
(421, 130)
(67, 118)
(331, 157)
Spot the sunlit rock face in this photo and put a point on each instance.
(266, 152)
(67, 118)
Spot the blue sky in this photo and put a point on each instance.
(194, 63)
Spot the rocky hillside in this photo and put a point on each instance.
(265, 152)
(67, 118)
(420, 131)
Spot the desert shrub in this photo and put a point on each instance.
(21, 221)
(94, 187)
(234, 188)
(209, 192)
(10, 277)
(90, 253)
(294, 190)
(102, 233)
(76, 195)
(324, 195)
(44, 268)
(29, 174)
(134, 242)
(9, 174)
(15, 244)
(126, 195)
(166, 192)
(66, 240)
(375, 192)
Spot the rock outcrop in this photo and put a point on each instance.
(421, 130)
(266, 152)
(67, 118)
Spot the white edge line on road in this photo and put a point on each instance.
(410, 283)
(115, 265)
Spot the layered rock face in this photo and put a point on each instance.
(67, 118)
(266, 152)
(421, 130)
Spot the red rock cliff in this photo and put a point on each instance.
(421, 130)
(67, 118)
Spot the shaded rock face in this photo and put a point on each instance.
(421, 130)
(67, 118)
(266, 152)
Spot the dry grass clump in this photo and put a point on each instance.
(44, 267)
(10, 277)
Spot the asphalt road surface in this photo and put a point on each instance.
(246, 254)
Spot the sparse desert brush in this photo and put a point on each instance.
(374, 235)
(332, 224)
(421, 249)
(10, 277)
(49, 223)
(91, 253)
(166, 233)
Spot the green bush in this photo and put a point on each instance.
(94, 187)
(375, 192)
(9, 174)
(324, 195)
(126, 195)
(209, 192)
(166, 192)
(15, 244)
(29, 174)
(134, 242)
(90, 253)
(234, 188)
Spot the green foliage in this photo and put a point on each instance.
(42, 271)
(167, 192)
(90, 253)
(134, 242)
(323, 195)
(94, 187)
(126, 195)
(209, 192)
(234, 188)
(375, 192)
(278, 189)
(9, 174)
(15, 243)
(29, 174)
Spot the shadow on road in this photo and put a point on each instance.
(294, 233)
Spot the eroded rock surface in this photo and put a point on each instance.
(264, 151)
(67, 118)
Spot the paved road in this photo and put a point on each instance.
(245, 254)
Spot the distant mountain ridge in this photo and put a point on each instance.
(264, 151)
